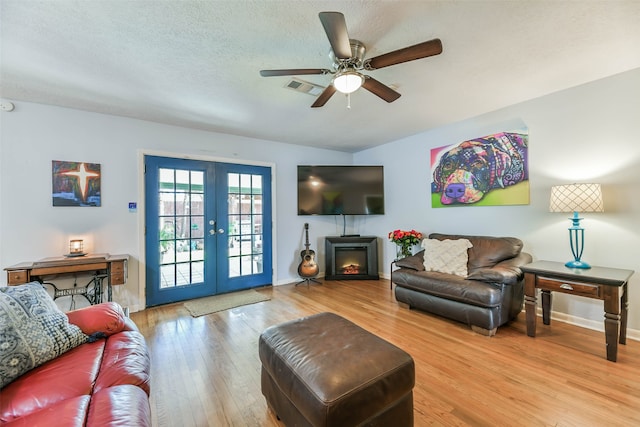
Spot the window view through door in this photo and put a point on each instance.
(245, 219)
(181, 222)
(208, 228)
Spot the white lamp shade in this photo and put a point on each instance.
(576, 198)
(348, 82)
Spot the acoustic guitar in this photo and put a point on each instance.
(308, 267)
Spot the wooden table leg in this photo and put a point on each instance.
(530, 303)
(612, 320)
(546, 307)
(624, 308)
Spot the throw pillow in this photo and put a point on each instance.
(413, 262)
(33, 330)
(446, 256)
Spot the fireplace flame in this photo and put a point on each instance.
(351, 269)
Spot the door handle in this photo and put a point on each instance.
(220, 231)
(212, 223)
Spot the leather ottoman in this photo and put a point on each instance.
(323, 370)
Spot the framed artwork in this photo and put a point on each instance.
(491, 170)
(75, 183)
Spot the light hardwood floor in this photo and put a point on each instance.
(206, 370)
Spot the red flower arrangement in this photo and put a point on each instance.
(404, 240)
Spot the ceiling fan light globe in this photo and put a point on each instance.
(348, 82)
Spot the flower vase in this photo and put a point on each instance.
(403, 251)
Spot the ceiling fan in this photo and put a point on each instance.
(348, 62)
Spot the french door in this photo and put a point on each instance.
(207, 228)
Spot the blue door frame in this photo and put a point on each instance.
(207, 228)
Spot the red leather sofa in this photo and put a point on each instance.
(100, 383)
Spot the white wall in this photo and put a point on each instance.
(30, 228)
(585, 134)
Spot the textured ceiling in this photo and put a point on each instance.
(196, 63)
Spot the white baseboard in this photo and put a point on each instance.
(632, 334)
(134, 308)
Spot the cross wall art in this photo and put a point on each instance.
(76, 183)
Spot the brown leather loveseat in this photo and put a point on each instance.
(487, 295)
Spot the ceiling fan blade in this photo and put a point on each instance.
(294, 72)
(379, 89)
(336, 29)
(324, 96)
(418, 51)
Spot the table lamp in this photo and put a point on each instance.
(76, 247)
(576, 198)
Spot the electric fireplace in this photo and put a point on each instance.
(351, 258)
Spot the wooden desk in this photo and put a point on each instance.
(607, 284)
(113, 268)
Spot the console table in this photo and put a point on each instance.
(113, 268)
(606, 284)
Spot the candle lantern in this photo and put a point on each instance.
(76, 247)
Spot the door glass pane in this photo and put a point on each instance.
(181, 221)
(245, 218)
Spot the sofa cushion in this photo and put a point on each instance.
(67, 376)
(446, 256)
(487, 251)
(34, 330)
(68, 413)
(450, 287)
(414, 262)
(125, 361)
(121, 405)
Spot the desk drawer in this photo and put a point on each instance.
(118, 273)
(569, 287)
(117, 278)
(117, 267)
(17, 277)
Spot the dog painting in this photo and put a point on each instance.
(472, 172)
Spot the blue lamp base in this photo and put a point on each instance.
(576, 239)
(577, 264)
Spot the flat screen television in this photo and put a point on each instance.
(340, 190)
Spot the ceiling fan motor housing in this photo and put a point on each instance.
(358, 50)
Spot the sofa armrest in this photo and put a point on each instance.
(507, 271)
(516, 262)
(107, 318)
